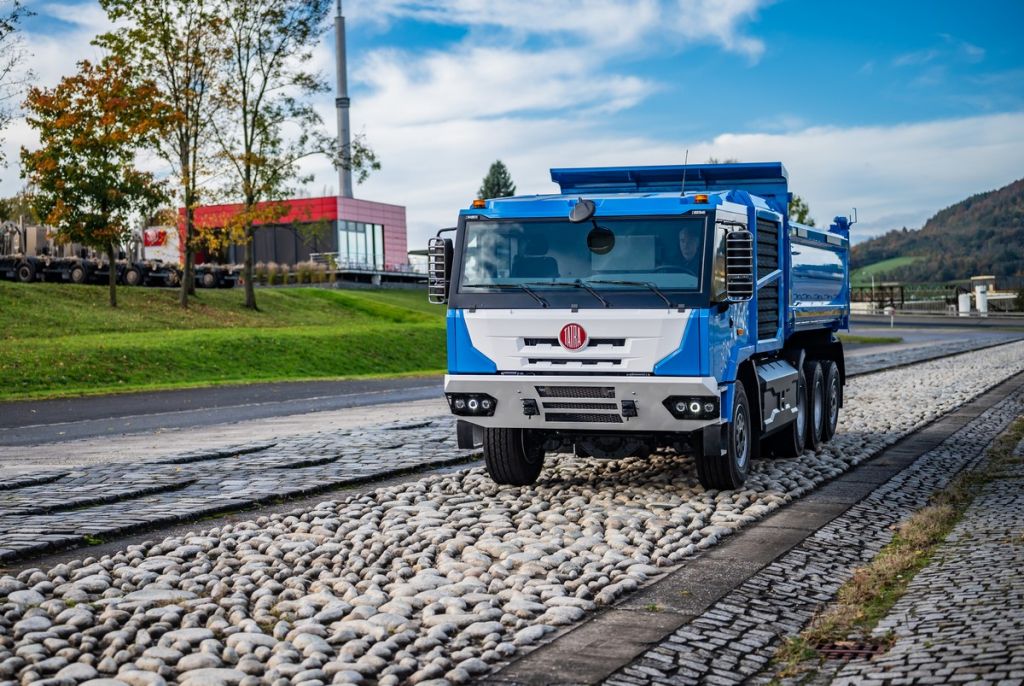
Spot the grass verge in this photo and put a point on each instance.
(869, 340)
(872, 591)
(61, 340)
(102, 363)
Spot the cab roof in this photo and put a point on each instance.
(651, 190)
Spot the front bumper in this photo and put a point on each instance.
(590, 403)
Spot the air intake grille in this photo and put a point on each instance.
(767, 262)
(580, 406)
(593, 342)
(589, 417)
(576, 391)
(583, 362)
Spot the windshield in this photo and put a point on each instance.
(623, 253)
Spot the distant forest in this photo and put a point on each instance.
(983, 234)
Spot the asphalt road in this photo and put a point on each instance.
(48, 421)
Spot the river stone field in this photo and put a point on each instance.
(432, 581)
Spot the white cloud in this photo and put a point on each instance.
(894, 175)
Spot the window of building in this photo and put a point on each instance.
(360, 245)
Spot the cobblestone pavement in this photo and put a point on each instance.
(437, 579)
(736, 637)
(962, 618)
(43, 511)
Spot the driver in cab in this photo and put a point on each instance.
(685, 257)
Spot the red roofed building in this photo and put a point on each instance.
(359, 236)
(369, 236)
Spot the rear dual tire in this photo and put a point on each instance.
(513, 456)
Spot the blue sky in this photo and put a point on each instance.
(898, 108)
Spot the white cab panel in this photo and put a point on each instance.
(618, 341)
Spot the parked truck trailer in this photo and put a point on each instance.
(643, 308)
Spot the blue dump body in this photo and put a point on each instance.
(815, 269)
(582, 292)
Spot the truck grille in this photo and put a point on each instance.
(580, 406)
(591, 417)
(591, 343)
(575, 391)
(562, 362)
(767, 262)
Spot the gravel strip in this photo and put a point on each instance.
(865, 361)
(438, 579)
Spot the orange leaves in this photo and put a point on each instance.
(91, 126)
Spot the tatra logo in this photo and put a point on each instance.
(572, 337)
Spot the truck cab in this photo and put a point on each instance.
(643, 309)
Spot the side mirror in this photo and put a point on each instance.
(439, 269)
(739, 265)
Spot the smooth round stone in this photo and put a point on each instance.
(212, 677)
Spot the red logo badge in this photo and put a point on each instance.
(572, 337)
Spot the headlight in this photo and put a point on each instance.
(684, 407)
(471, 404)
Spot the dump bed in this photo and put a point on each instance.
(818, 283)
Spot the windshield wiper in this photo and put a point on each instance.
(646, 284)
(578, 283)
(506, 286)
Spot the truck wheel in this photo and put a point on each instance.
(833, 398)
(511, 457)
(77, 275)
(26, 272)
(729, 470)
(208, 280)
(789, 441)
(815, 377)
(132, 277)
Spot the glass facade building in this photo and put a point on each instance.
(360, 245)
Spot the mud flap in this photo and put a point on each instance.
(711, 440)
(468, 435)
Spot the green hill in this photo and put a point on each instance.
(61, 340)
(983, 234)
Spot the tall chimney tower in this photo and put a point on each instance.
(342, 103)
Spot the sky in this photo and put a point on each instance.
(896, 108)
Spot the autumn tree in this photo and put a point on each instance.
(177, 45)
(497, 183)
(91, 126)
(12, 56)
(265, 89)
(799, 211)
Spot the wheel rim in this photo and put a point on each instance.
(833, 402)
(819, 402)
(741, 437)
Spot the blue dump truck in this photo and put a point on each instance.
(644, 308)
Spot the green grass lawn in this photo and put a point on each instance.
(862, 275)
(869, 340)
(61, 340)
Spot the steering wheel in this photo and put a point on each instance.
(675, 269)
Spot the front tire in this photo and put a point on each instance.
(512, 457)
(77, 274)
(133, 277)
(728, 469)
